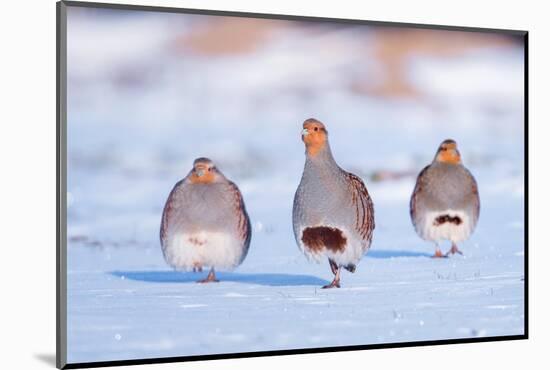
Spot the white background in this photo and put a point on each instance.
(27, 202)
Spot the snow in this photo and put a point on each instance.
(137, 119)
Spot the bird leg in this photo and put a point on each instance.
(197, 268)
(333, 266)
(211, 278)
(454, 249)
(336, 282)
(438, 253)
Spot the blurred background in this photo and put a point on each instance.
(149, 92)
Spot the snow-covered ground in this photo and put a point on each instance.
(139, 113)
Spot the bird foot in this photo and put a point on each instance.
(454, 249)
(211, 278)
(438, 254)
(207, 280)
(334, 284)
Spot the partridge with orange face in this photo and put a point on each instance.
(204, 222)
(333, 215)
(445, 201)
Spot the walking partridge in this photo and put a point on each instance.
(445, 201)
(333, 215)
(204, 222)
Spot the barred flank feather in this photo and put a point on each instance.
(244, 226)
(364, 207)
(416, 191)
(168, 208)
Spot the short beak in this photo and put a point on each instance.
(305, 132)
(200, 172)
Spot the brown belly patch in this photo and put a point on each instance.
(317, 238)
(446, 218)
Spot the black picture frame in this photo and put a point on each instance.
(61, 186)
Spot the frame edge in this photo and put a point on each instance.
(287, 17)
(61, 177)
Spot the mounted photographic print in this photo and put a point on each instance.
(235, 184)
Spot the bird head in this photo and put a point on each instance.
(314, 135)
(204, 171)
(448, 153)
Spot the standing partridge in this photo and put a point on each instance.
(445, 201)
(333, 215)
(204, 222)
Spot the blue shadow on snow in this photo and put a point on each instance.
(252, 278)
(395, 254)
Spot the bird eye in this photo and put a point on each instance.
(316, 129)
(209, 169)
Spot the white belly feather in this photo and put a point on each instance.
(220, 250)
(430, 230)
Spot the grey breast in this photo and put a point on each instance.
(442, 186)
(322, 198)
(207, 207)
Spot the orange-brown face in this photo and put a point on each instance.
(314, 135)
(448, 153)
(204, 172)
